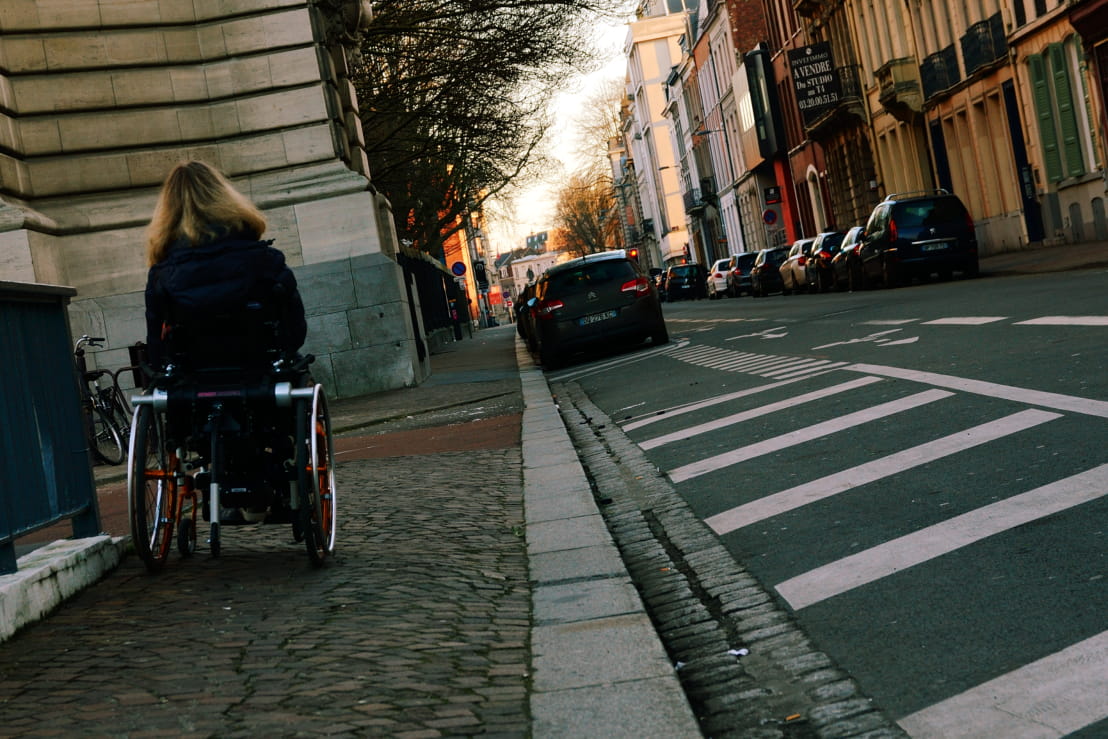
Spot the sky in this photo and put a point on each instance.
(534, 207)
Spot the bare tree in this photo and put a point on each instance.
(453, 97)
(584, 215)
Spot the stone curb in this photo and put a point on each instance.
(49, 575)
(598, 666)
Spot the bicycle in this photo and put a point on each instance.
(106, 409)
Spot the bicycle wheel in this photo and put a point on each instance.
(112, 397)
(317, 478)
(151, 488)
(107, 442)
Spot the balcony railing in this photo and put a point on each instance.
(984, 43)
(939, 72)
(694, 203)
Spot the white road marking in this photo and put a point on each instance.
(795, 365)
(839, 482)
(964, 321)
(765, 410)
(814, 370)
(592, 369)
(1066, 321)
(800, 436)
(1051, 697)
(700, 405)
(942, 538)
(1071, 403)
(863, 339)
(892, 322)
(899, 342)
(769, 333)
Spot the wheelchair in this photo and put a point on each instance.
(231, 433)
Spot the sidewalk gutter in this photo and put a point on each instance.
(599, 667)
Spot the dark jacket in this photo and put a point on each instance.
(220, 277)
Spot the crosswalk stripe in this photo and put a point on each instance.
(800, 436)
(1085, 406)
(817, 369)
(826, 487)
(1066, 321)
(765, 410)
(934, 541)
(692, 407)
(964, 321)
(795, 366)
(1051, 697)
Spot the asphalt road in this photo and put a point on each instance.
(920, 474)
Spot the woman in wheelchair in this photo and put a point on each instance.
(233, 413)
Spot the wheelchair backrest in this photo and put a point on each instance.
(231, 345)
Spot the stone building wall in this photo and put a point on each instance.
(99, 99)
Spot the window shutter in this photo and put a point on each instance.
(1067, 115)
(1040, 89)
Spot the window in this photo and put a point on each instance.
(1057, 108)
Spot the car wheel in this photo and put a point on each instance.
(660, 336)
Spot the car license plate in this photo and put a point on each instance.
(936, 246)
(596, 318)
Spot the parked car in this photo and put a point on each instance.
(917, 235)
(686, 281)
(716, 285)
(794, 277)
(524, 323)
(818, 270)
(658, 277)
(591, 301)
(738, 279)
(765, 275)
(845, 264)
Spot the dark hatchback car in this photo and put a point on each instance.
(686, 281)
(765, 275)
(917, 235)
(738, 281)
(594, 301)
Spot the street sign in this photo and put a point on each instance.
(769, 216)
(458, 268)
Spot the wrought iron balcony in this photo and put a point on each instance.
(939, 72)
(694, 202)
(984, 43)
(899, 89)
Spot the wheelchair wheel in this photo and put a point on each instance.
(151, 488)
(317, 478)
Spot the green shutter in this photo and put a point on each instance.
(1045, 112)
(1067, 116)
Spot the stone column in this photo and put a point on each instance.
(100, 98)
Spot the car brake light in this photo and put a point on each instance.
(639, 285)
(969, 222)
(801, 260)
(893, 234)
(547, 307)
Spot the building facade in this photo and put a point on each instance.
(100, 99)
(838, 103)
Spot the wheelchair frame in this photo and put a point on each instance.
(163, 496)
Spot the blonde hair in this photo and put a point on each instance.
(195, 202)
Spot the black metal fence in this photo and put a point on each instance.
(45, 467)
